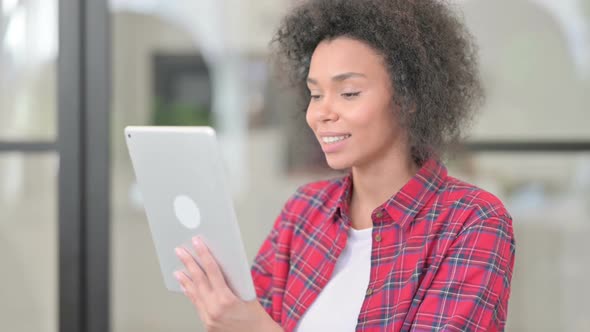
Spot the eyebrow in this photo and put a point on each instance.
(338, 78)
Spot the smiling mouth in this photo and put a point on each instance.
(334, 139)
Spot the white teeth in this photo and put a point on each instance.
(334, 139)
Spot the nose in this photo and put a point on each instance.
(324, 110)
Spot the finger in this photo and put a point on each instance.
(196, 274)
(185, 285)
(210, 266)
(188, 288)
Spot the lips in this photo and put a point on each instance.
(331, 134)
(333, 141)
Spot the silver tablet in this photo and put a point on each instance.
(182, 182)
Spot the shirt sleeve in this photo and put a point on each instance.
(470, 290)
(263, 266)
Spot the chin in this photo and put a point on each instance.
(338, 163)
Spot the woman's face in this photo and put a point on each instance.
(351, 110)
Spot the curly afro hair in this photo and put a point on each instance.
(429, 54)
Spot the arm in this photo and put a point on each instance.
(471, 287)
(263, 266)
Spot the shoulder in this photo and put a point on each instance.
(324, 190)
(462, 194)
(312, 201)
(467, 205)
(318, 195)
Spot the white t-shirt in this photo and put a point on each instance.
(338, 305)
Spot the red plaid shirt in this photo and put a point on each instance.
(442, 255)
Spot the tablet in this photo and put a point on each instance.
(182, 181)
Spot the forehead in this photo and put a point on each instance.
(343, 55)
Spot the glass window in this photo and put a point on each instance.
(28, 61)
(139, 300)
(535, 67)
(28, 242)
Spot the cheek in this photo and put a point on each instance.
(377, 121)
(312, 116)
(308, 118)
(368, 116)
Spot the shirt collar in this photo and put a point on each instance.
(406, 203)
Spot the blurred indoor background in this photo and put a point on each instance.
(205, 62)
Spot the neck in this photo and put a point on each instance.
(375, 183)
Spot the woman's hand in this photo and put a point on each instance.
(218, 307)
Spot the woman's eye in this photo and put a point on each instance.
(315, 97)
(350, 94)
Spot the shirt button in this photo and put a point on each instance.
(369, 291)
(378, 237)
(379, 214)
